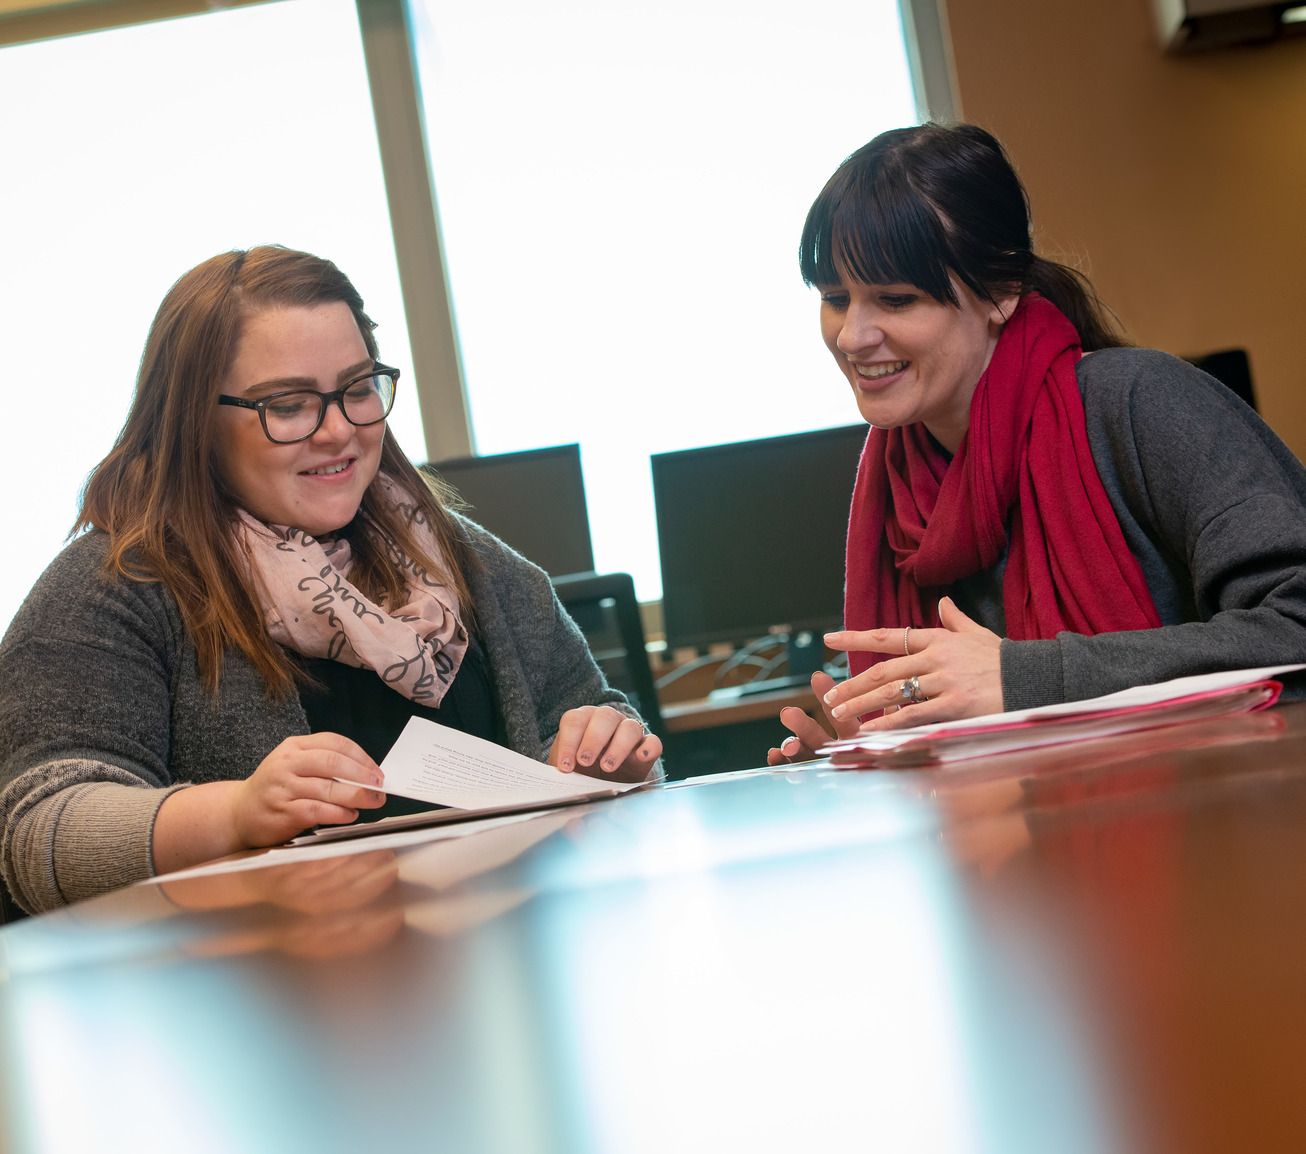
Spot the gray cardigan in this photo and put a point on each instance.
(102, 712)
(1212, 504)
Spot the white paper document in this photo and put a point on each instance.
(436, 764)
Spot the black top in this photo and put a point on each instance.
(357, 704)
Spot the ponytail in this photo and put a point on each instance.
(1072, 292)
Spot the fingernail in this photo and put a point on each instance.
(609, 765)
(789, 745)
(829, 697)
(584, 758)
(565, 765)
(838, 711)
(646, 753)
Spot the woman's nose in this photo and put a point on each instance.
(861, 330)
(334, 427)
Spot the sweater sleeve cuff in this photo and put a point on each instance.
(82, 841)
(1031, 674)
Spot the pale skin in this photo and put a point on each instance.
(316, 485)
(909, 358)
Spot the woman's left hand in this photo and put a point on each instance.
(599, 737)
(958, 666)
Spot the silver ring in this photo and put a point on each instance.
(905, 651)
(910, 691)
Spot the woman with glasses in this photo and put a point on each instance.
(1040, 514)
(267, 591)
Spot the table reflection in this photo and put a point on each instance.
(1094, 948)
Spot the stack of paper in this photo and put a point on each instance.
(1143, 707)
(473, 777)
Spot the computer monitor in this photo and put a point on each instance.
(534, 501)
(752, 535)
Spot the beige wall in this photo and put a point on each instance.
(1177, 183)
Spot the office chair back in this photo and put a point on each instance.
(604, 606)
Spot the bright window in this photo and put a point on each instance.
(131, 155)
(621, 191)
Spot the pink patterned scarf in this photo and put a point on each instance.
(310, 606)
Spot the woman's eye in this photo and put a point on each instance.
(837, 300)
(898, 301)
(287, 407)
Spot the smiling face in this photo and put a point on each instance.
(314, 485)
(910, 357)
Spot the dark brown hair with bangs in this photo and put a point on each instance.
(918, 204)
(159, 494)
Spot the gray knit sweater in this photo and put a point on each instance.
(102, 712)
(1212, 504)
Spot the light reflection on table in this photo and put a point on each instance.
(1095, 948)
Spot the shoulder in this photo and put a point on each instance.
(498, 557)
(1159, 403)
(1176, 441)
(1147, 380)
(520, 587)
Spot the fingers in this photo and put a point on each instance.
(294, 788)
(895, 640)
(868, 640)
(627, 738)
(957, 669)
(329, 755)
(313, 800)
(877, 688)
(808, 736)
(598, 736)
(313, 764)
(923, 713)
(571, 729)
(954, 620)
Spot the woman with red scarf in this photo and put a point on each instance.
(1030, 523)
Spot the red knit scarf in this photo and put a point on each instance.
(919, 522)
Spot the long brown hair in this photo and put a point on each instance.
(159, 494)
(916, 204)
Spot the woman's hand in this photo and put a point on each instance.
(294, 788)
(291, 790)
(809, 735)
(958, 666)
(599, 736)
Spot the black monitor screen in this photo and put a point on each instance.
(752, 534)
(535, 501)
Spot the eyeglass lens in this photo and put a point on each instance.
(293, 416)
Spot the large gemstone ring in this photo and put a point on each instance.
(910, 691)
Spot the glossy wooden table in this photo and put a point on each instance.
(1101, 948)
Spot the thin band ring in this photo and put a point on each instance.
(910, 692)
(905, 651)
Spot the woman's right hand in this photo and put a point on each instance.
(291, 790)
(809, 735)
(294, 788)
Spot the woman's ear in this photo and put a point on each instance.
(1001, 308)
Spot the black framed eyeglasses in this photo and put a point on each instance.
(297, 415)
